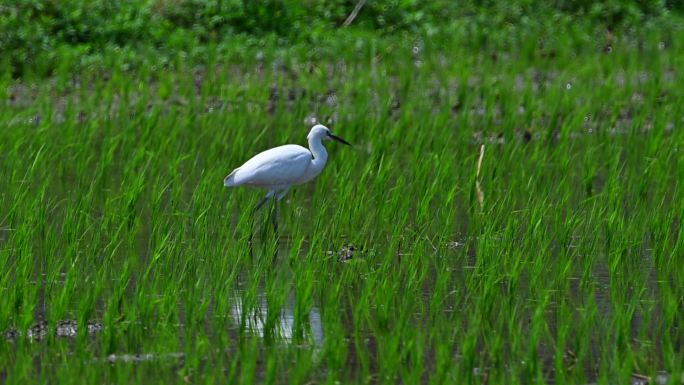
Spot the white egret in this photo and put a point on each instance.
(279, 168)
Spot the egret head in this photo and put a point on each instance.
(322, 132)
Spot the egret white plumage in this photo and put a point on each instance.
(279, 168)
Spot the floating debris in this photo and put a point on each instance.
(143, 357)
(38, 331)
(65, 328)
(94, 327)
(346, 253)
(11, 334)
(455, 244)
(661, 378)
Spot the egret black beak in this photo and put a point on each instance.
(338, 139)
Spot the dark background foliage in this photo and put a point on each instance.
(34, 34)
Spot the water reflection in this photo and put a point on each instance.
(282, 326)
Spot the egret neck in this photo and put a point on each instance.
(320, 156)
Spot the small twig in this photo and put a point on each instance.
(479, 161)
(353, 14)
(480, 193)
(641, 377)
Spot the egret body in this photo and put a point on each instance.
(278, 169)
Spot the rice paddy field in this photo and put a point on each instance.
(504, 216)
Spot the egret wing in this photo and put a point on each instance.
(282, 165)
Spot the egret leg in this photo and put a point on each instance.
(263, 201)
(259, 205)
(278, 196)
(274, 218)
(251, 233)
(282, 193)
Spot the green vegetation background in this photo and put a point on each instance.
(39, 36)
